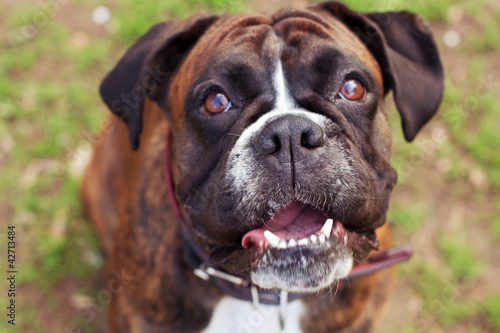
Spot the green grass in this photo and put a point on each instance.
(431, 285)
(407, 217)
(479, 115)
(458, 256)
(489, 38)
(458, 312)
(492, 309)
(431, 10)
(495, 227)
(444, 304)
(146, 14)
(28, 320)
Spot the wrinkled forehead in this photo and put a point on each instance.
(242, 43)
(310, 35)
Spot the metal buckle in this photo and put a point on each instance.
(204, 272)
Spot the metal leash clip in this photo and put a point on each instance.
(204, 272)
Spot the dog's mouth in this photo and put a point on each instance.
(294, 225)
(300, 225)
(301, 249)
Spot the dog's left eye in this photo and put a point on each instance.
(216, 102)
(353, 90)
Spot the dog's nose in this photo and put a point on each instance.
(289, 137)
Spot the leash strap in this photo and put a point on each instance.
(199, 251)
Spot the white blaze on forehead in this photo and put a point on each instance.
(284, 101)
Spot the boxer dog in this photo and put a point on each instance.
(247, 163)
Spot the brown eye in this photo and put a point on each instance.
(353, 90)
(216, 102)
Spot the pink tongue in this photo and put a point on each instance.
(285, 216)
(294, 221)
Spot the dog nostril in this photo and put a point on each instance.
(304, 140)
(276, 143)
(269, 145)
(288, 133)
(312, 139)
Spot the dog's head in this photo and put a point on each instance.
(280, 144)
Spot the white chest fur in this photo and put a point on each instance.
(235, 316)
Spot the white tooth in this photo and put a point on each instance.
(272, 238)
(314, 239)
(322, 238)
(303, 241)
(282, 244)
(292, 243)
(327, 228)
(345, 239)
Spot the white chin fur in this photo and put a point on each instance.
(294, 281)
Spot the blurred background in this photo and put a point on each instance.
(53, 54)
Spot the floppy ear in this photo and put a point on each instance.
(146, 68)
(403, 45)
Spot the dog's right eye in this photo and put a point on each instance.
(216, 102)
(353, 90)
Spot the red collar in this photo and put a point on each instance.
(243, 289)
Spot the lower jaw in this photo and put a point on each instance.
(322, 265)
(303, 269)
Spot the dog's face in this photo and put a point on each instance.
(279, 138)
(282, 125)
